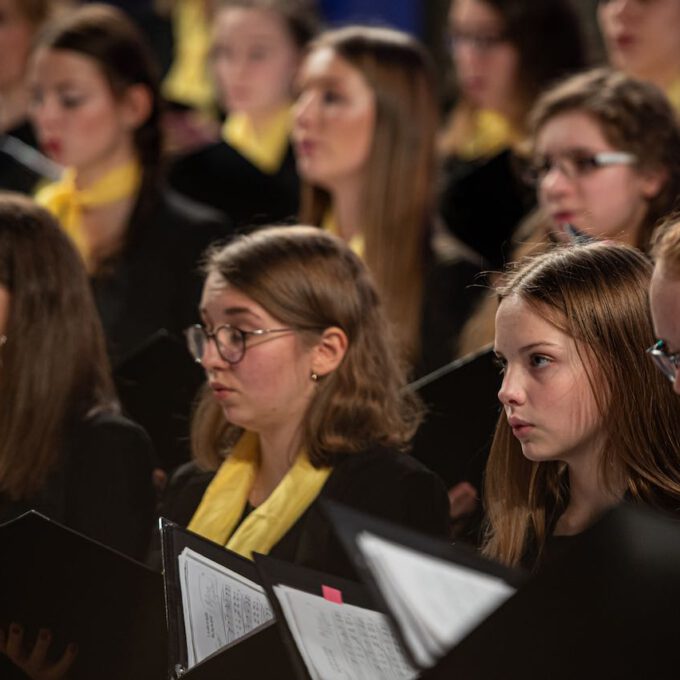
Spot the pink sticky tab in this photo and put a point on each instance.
(331, 594)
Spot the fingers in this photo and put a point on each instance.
(61, 667)
(36, 659)
(14, 642)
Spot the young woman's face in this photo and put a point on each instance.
(486, 62)
(254, 60)
(641, 37)
(271, 386)
(78, 119)
(335, 118)
(546, 393)
(16, 33)
(603, 202)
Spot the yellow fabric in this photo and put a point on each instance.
(673, 94)
(265, 149)
(491, 134)
(225, 499)
(187, 81)
(65, 201)
(356, 243)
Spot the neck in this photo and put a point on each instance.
(663, 76)
(278, 450)
(588, 497)
(261, 120)
(347, 210)
(88, 175)
(13, 105)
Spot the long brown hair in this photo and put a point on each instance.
(307, 278)
(54, 365)
(397, 200)
(597, 294)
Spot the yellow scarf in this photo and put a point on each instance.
(356, 243)
(225, 499)
(65, 201)
(491, 134)
(265, 149)
(187, 80)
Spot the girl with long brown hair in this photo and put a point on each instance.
(65, 450)
(588, 420)
(365, 125)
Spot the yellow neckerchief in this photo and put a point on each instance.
(65, 201)
(356, 243)
(491, 134)
(225, 499)
(187, 81)
(265, 149)
(673, 94)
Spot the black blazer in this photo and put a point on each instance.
(155, 282)
(101, 486)
(219, 176)
(380, 482)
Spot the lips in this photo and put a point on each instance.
(305, 147)
(220, 391)
(52, 147)
(520, 428)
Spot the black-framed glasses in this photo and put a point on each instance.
(575, 164)
(667, 363)
(230, 341)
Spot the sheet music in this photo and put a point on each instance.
(342, 641)
(436, 603)
(219, 605)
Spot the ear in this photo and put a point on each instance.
(653, 181)
(135, 106)
(329, 351)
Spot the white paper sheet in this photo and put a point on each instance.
(436, 603)
(219, 605)
(342, 641)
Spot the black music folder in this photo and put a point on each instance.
(434, 592)
(226, 631)
(157, 384)
(609, 608)
(462, 411)
(84, 593)
(330, 625)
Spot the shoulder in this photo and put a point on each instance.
(109, 439)
(393, 485)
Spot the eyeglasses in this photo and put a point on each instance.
(482, 42)
(576, 164)
(229, 340)
(667, 363)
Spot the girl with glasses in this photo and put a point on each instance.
(588, 421)
(304, 400)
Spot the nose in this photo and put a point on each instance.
(44, 113)
(305, 110)
(512, 391)
(554, 184)
(211, 360)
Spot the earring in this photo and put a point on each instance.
(314, 377)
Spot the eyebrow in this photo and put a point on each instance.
(534, 345)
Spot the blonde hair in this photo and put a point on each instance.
(397, 200)
(307, 278)
(666, 246)
(597, 294)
